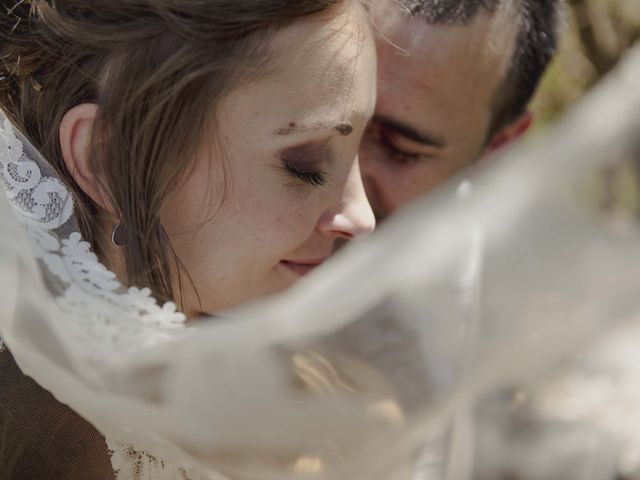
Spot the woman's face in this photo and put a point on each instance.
(265, 202)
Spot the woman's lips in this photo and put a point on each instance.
(301, 267)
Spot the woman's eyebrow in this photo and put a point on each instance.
(343, 128)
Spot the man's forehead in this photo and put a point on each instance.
(442, 79)
(490, 37)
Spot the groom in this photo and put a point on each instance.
(454, 80)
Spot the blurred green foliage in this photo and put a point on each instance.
(595, 35)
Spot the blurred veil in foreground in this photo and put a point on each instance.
(491, 331)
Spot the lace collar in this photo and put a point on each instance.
(104, 319)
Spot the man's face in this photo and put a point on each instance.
(436, 88)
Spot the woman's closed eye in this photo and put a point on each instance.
(316, 178)
(304, 163)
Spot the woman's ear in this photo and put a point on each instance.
(76, 133)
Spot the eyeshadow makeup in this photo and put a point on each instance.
(304, 162)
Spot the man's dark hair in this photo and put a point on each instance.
(536, 44)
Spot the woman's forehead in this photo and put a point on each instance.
(327, 77)
(330, 40)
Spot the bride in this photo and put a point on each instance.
(210, 152)
(209, 159)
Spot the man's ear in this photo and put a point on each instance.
(76, 133)
(511, 132)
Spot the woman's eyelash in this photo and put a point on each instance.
(316, 178)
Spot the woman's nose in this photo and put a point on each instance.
(352, 215)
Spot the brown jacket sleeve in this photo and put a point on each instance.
(42, 439)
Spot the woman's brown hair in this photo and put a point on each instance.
(157, 69)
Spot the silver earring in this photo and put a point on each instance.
(119, 235)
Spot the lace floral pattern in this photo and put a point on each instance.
(104, 319)
(131, 464)
(118, 319)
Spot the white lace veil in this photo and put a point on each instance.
(391, 362)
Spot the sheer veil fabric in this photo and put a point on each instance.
(354, 373)
(78, 315)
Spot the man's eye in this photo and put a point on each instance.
(381, 136)
(397, 155)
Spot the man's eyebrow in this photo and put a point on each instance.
(343, 128)
(409, 132)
